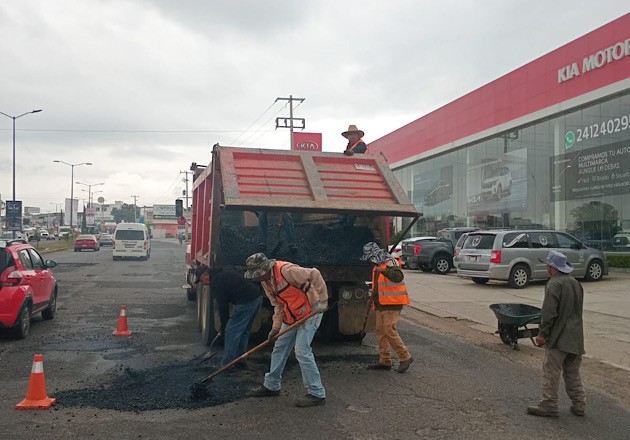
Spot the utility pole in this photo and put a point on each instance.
(185, 179)
(135, 213)
(288, 122)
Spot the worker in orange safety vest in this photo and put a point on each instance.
(355, 141)
(389, 295)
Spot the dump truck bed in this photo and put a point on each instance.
(302, 181)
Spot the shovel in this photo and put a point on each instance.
(209, 354)
(258, 347)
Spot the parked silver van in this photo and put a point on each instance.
(513, 256)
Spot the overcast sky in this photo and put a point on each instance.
(143, 88)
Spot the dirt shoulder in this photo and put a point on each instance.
(612, 381)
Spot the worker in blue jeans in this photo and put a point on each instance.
(227, 286)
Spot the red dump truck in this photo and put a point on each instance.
(317, 189)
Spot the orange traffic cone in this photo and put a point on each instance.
(36, 395)
(122, 323)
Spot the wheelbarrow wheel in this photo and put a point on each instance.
(504, 334)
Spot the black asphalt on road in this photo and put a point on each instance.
(138, 386)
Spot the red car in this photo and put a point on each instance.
(27, 286)
(87, 241)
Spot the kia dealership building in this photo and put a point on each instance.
(545, 146)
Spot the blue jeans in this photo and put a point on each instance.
(287, 227)
(237, 329)
(300, 337)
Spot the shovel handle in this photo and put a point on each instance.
(259, 346)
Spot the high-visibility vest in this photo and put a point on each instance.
(294, 300)
(389, 292)
(357, 143)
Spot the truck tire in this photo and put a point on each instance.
(519, 276)
(441, 265)
(207, 321)
(594, 271)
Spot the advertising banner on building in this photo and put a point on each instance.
(433, 191)
(13, 209)
(89, 216)
(66, 214)
(498, 185)
(307, 141)
(594, 172)
(164, 212)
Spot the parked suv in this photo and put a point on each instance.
(437, 255)
(27, 286)
(513, 256)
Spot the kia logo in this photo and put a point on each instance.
(307, 145)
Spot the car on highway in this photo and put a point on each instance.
(27, 286)
(514, 256)
(8, 235)
(86, 241)
(107, 240)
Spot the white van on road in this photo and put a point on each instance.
(131, 240)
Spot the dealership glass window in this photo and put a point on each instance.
(591, 203)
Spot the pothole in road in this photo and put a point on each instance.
(61, 267)
(172, 386)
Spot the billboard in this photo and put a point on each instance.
(307, 141)
(594, 172)
(89, 216)
(13, 209)
(164, 212)
(497, 185)
(66, 214)
(433, 191)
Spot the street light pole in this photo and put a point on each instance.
(90, 190)
(14, 118)
(72, 187)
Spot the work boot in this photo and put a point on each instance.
(541, 412)
(262, 391)
(577, 412)
(404, 365)
(309, 400)
(379, 366)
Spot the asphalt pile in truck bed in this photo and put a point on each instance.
(317, 244)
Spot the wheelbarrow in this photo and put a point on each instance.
(513, 316)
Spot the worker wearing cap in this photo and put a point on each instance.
(355, 141)
(294, 292)
(561, 332)
(389, 295)
(227, 286)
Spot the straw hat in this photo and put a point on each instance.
(352, 129)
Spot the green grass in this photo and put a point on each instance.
(46, 246)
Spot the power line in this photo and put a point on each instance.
(70, 130)
(252, 124)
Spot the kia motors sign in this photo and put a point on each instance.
(307, 141)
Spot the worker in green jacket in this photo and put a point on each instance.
(561, 333)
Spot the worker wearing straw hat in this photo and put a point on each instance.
(355, 141)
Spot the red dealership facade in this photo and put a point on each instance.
(547, 145)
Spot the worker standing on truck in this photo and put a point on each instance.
(227, 286)
(294, 292)
(389, 295)
(355, 141)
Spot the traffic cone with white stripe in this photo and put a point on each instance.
(36, 397)
(122, 323)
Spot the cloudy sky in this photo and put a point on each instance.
(142, 88)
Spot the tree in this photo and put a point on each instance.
(125, 214)
(595, 220)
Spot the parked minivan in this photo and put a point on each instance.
(513, 256)
(131, 240)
